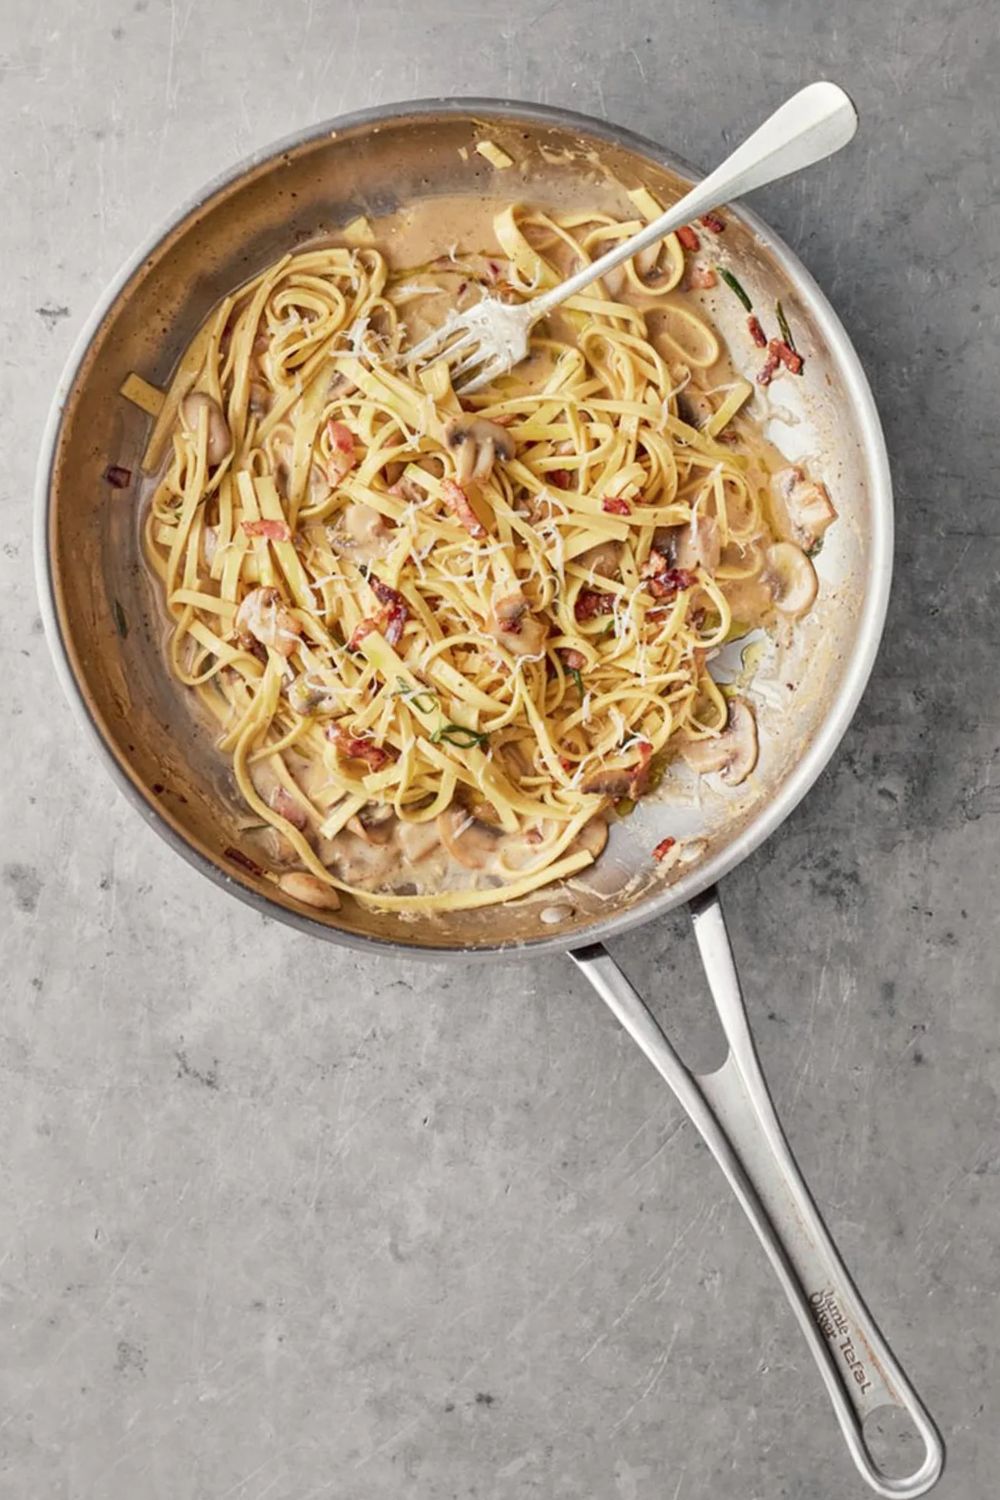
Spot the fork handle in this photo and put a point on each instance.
(813, 124)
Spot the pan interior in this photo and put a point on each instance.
(111, 625)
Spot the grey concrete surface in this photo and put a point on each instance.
(280, 1223)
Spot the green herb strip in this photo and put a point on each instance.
(459, 735)
(422, 699)
(657, 769)
(786, 332)
(734, 286)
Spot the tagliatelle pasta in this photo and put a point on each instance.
(442, 638)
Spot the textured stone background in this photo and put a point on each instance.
(280, 1223)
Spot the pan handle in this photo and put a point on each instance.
(735, 1116)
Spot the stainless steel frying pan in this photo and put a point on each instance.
(106, 633)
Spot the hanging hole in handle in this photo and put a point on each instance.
(664, 968)
(895, 1445)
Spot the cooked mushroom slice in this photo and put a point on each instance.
(592, 837)
(612, 783)
(808, 509)
(287, 807)
(515, 627)
(478, 807)
(417, 840)
(280, 850)
(219, 438)
(475, 442)
(263, 617)
(362, 533)
(645, 263)
(604, 559)
(305, 697)
(791, 578)
(318, 485)
(622, 781)
(471, 843)
(733, 753)
(259, 402)
(615, 281)
(698, 545)
(358, 861)
(309, 890)
(374, 824)
(693, 407)
(341, 385)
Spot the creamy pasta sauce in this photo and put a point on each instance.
(445, 640)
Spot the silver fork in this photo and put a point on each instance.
(491, 337)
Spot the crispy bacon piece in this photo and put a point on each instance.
(389, 622)
(701, 278)
(456, 502)
(616, 506)
(669, 581)
(275, 531)
(342, 457)
(779, 353)
(117, 477)
(663, 848)
(713, 222)
(383, 593)
(341, 437)
(356, 748)
(360, 631)
(396, 617)
(237, 857)
(591, 602)
(561, 478)
(789, 357)
(661, 579)
(395, 620)
(656, 562)
(756, 332)
(393, 617)
(767, 370)
(640, 774)
(688, 239)
(338, 466)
